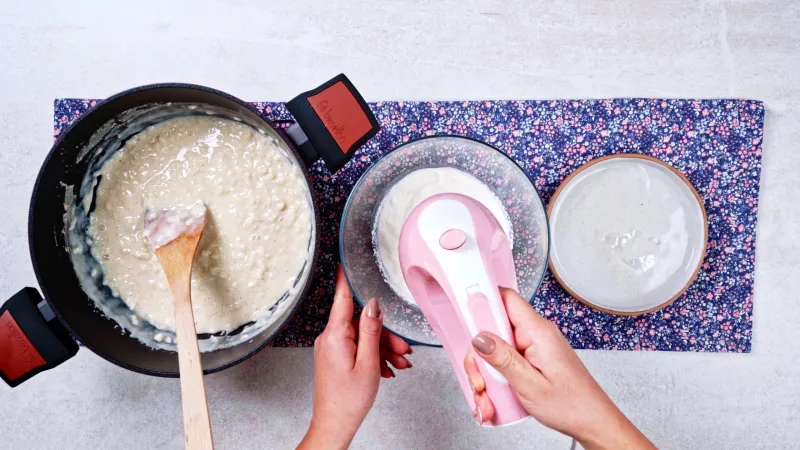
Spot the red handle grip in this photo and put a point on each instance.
(32, 340)
(333, 120)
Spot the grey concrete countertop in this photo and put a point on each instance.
(509, 49)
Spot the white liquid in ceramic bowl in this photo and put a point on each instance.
(628, 234)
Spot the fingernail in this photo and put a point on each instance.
(484, 344)
(410, 351)
(410, 365)
(477, 414)
(471, 386)
(373, 309)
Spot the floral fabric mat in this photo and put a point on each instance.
(715, 143)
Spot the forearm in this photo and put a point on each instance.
(326, 436)
(615, 433)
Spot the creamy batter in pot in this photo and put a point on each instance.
(256, 241)
(171, 145)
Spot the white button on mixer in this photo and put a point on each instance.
(452, 239)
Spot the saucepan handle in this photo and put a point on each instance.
(332, 121)
(32, 339)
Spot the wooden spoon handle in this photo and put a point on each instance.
(196, 421)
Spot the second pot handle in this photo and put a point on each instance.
(32, 339)
(333, 121)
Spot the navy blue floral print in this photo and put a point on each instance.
(715, 143)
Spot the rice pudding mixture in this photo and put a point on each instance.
(254, 244)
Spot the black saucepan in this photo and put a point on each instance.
(35, 335)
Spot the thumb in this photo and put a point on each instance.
(507, 360)
(369, 336)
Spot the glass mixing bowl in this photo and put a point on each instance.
(488, 164)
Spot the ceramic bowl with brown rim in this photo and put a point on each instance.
(628, 234)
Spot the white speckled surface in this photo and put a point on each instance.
(413, 50)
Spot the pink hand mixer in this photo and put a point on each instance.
(454, 255)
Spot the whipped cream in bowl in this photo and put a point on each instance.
(401, 199)
(384, 196)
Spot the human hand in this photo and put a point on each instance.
(552, 383)
(350, 357)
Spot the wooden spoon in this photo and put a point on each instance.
(174, 234)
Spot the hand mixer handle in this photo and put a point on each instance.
(454, 253)
(508, 408)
